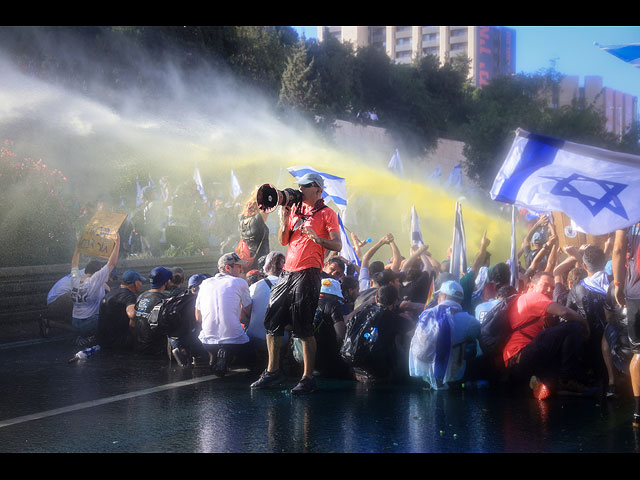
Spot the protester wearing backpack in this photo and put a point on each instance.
(178, 318)
(439, 343)
(149, 338)
(375, 339)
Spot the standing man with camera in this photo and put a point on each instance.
(309, 228)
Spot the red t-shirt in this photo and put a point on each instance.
(525, 308)
(303, 252)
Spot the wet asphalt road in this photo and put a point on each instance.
(114, 402)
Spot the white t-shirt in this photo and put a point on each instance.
(87, 295)
(60, 288)
(260, 293)
(219, 300)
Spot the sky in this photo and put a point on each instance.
(572, 50)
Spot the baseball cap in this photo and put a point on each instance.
(331, 286)
(159, 276)
(131, 276)
(230, 259)
(311, 177)
(196, 280)
(387, 276)
(452, 289)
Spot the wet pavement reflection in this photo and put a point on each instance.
(116, 402)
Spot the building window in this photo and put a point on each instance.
(403, 55)
(402, 29)
(430, 36)
(431, 51)
(401, 42)
(458, 33)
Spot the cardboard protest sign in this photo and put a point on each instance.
(568, 235)
(98, 237)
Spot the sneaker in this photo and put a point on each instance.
(612, 392)
(268, 379)
(635, 421)
(575, 388)
(540, 390)
(304, 386)
(220, 367)
(181, 357)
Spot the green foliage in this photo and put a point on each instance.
(36, 212)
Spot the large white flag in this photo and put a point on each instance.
(335, 188)
(596, 188)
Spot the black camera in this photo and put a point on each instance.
(269, 197)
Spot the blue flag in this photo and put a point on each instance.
(596, 188)
(628, 53)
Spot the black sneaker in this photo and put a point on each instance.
(612, 392)
(268, 379)
(181, 357)
(220, 367)
(304, 386)
(635, 421)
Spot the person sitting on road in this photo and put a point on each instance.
(149, 339)
(117, 313)
(541, 349)
(87, 291)
(223, 305)
(329, 330)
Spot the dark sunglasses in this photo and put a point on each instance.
(308, 185)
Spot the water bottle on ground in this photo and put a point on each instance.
(85, 353)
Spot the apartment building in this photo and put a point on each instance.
(490, 49)
(620, 109)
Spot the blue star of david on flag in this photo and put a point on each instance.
(595, 205)
(596, 188)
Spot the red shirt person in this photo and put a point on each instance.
(310, 228)
(541, 347)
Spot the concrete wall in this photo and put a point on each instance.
(25, 289)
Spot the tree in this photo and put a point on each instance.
(298, 90)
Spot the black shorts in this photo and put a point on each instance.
(293, 301)
(633, 322)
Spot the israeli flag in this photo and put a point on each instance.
(235, 186)
(416, 234)
(596, 188)
(395, 164)
(347, 251)
(335, 188)
(455, 177)
(629, 53)
(458, 261)
(198, 180)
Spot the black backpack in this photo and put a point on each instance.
(169, 313)
(360, 338)
(495, 329)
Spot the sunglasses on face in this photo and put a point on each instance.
(308, 185)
